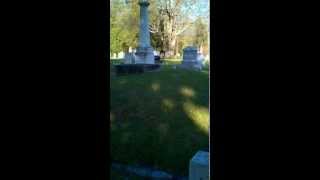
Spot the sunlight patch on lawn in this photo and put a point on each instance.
(155, 87)
(168, 104)
(198, 114)
(205, 72)
(188, 92)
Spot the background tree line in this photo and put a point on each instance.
(173, 24)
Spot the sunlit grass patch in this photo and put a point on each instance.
(155, 86)
(200, 115)
(186, 91)
(168, 104)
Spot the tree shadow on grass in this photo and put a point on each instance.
(160, 119)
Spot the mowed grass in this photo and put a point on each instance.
(159, 119)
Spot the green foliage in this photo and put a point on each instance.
(173, 24)
(115, 41)
(124, 25)
(201, 32)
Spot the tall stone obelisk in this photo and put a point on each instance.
(144, 53)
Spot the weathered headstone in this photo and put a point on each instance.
(191, 59)
(190, 54)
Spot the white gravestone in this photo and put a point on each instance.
(191, 59)
(199, 166)
(121, 55)
(128, 58)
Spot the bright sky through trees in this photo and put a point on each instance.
(173, 24)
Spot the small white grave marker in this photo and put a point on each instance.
(121, 55)
(199, 166)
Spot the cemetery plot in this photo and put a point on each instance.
(159, 119)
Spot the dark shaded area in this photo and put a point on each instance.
(142, 172)
(123, 69)
(158, 60)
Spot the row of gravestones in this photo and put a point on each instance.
(191, 59)
(122, 54)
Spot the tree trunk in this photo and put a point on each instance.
(201, 48)
(126, 49)
(176, 51)
(172, 44)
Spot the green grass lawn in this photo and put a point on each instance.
(159, 119)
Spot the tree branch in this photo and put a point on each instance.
(183, 29)
(153, 32)
(153, 29)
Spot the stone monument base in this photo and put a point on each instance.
(123, 69)
(144, 55)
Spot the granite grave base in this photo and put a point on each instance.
(124, 69)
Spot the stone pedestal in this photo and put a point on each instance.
(199, 166)
(144, 55)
